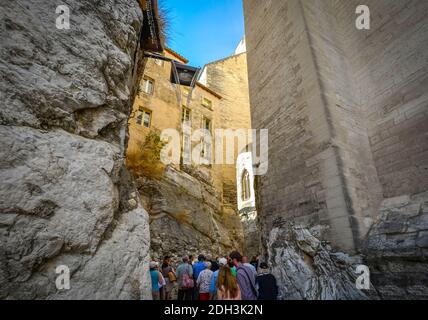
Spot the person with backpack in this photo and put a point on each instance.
(168, 273)
(245, 276)
(185, 280)
(266, 284)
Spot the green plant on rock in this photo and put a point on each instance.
(145, 162)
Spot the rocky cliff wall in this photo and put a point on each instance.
(187, 217)
(308, 269)
(396, 248)
(65, 197)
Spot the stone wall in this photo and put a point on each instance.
(316, 103)
(389, 64)
(347, 117)
(229, 78)
(65, 196)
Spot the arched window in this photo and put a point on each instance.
(245, 186)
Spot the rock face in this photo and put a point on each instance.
(65, 197)
(397, 248)
(186, 217)
(307, 269)
(251, 232)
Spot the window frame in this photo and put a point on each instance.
(245, 186)
(206, 147)
(143, 86)
(186, 91)
(186, 111)
(209, 105)
(187, 148)
(141, 121)
(204, 119)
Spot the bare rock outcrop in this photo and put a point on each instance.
(397, 248)
(307, 269)
(187, 217)
(65, 197)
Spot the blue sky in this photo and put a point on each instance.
(204, 30)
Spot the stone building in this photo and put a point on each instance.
(229, 77)
(347, 113)
(158, 107)
(192, 206)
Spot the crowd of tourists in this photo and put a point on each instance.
(228, 278)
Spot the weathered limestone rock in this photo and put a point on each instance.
(307, 269)
(397, 248)
(251, 232)
(65, 197)
(187, 217)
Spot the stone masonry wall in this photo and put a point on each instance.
(312, 78)
(303, 182)
(389, 64)
(65, 196)
(229, 78)
(347, 116)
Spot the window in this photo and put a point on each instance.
(144, 118)
(147, 119)
(186, 115)
(140, 118)
(206, 149)
(147, 86)
(207, 103)
(187, 149)
(206, 124)
(186, 91)
(245, 186)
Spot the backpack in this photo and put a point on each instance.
(172, 277)
(188, 282)
(253, 289)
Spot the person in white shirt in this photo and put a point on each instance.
(204, 281)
